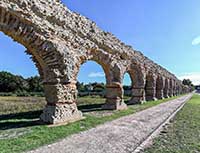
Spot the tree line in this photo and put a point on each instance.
(97, 89)
(16, 84)
(11, 84)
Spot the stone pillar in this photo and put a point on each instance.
(166, 89)
(175, 89)
(171, 88)
(178, 90)
(114, 97)
(138, 95)
(138, 89)
(61, 103)
(160, 84)
(183, 89)
(150, 88)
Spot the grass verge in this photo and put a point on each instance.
(39, 135)
(183, 134)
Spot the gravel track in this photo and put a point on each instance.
(123, 135)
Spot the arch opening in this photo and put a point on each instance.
(127, 87)
(138, 79)
(14, 59)
(20, 80)
(91, 86)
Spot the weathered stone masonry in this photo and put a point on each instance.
(60, 41)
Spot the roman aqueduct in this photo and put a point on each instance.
(60, 41)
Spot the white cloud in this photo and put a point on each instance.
(194, 77)
(96, 74)
(196, 41)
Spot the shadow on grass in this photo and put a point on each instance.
(127, 102)
(29, 119)
(21, 124)
(91, 108)
(24, 115)
(20, 120)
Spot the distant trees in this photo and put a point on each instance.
(187, 82)
(17, 84)
(91, 89)
(35, 84)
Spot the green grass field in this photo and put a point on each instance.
(183, 134)
(23, 131)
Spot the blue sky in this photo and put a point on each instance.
(168, 32)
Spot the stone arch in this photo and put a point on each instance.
(114, 89)
(78, 67)
(95, 56)
(50, 60)
(138, 76)
(46, 52)
(101, 59)
(22, 33)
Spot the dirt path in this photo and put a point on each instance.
(123, 135)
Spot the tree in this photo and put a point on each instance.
(16, 83)
(188, 82)
(99, 87)
(35, 84)
(80, 86)
(12, 83)
(22, 84)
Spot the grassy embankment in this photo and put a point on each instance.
(23, 131)
(183, 134)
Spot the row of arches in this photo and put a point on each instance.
(59, 60)
(145, 86)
